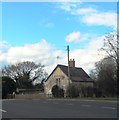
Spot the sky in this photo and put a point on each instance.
(41, 31)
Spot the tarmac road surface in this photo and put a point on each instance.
(58, 109)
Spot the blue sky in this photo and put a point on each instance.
(25, 23)
(53, 26)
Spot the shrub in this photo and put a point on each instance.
(57, 91)
(72, 91)
(86, 91)
(97, 92)
(8, 86)
(89, 90)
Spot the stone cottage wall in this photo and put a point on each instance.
(58, 74)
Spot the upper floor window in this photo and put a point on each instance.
(58, 81)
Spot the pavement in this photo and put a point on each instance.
(49, 108)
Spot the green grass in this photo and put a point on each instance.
(30, 96)
(89, 98)
(42, 96)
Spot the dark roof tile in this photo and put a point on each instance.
(76, 74)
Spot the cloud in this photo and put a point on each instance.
(46, 54)
(68, 7)
(42, 52)
(101, 18)
(87, 56)
(83, 11)
(90, 15)
(76, 37)
(73, 37)
(4, 47)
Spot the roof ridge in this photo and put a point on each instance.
(67, 66)
(78, 72)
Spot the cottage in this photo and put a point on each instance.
(59, 76)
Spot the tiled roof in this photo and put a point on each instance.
(76, 74)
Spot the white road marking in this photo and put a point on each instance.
(3, 110)
(86, 105)
(113, 108)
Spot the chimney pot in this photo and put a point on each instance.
(72, 63)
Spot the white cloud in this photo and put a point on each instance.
(83, 11)
(4, 47)
(101, 18)
(68, 6)
(76, 37)
(42, 52)
(86, 57)
(73, 37)
(91, 16)
(46, 54)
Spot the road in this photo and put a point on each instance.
(58, 109)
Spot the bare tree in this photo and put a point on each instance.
(111, 46)
(25, 73)
(106, 76)
(93, 74)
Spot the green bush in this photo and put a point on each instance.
(97, 92)
(86, 91)
(57, 91)
(72, 91)
(8, 86)
(89, 90)
(83, 91)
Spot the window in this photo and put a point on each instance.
(58, 81)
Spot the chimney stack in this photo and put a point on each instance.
(72, 63)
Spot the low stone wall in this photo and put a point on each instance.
(30, 96)
(10, 96)
(48, 95)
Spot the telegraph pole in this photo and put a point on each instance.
(68, 63)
